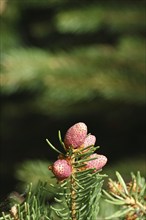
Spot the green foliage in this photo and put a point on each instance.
(78, 71)
(33, 208)
(82, 190)
(94, 53)
(34, 171)
(130, 197)
(76, 197)
(121, 165)
(82, 197)
(108, 74)
(117, 17)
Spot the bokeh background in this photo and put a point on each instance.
(65, 61)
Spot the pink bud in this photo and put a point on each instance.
(89, 140)
(61, 169)
(96, 163)
(75, 135)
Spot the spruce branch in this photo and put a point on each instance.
(77, 191)
(81, 187)
(130, 196)
(79, 183)
(33, 207)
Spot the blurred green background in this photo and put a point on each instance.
(65, 61)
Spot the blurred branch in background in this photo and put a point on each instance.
(61, 80)
(68, 61)
(3, 5)
(92, 69)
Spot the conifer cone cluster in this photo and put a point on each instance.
(76, 137)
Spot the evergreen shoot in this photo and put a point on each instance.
(76, 193)
(131, 197)
(79, 182)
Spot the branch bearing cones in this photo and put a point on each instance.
(76, 138)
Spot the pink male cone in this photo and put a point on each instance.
(89, 140)
(75, 135)
(61, 169)
(97, 163)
